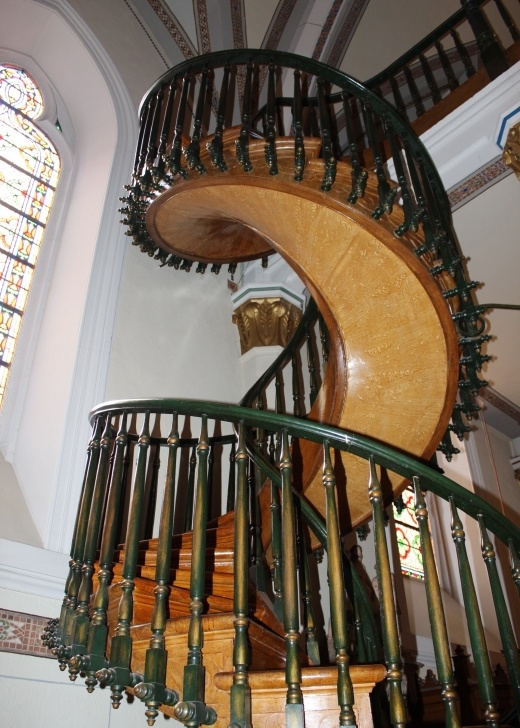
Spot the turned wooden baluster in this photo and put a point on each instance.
(329, 161)
(386, 601)
(193, 711)
(153, 690)
(338, 607)
(299, 146)
(515, 564)
(94, 659)
(192, 151)
(505, 627)
(118, 674)
(216, 146)
(270, 131)
(475, 627)
(82, 617)
(240, 699)
(242, 143)
(436, 613)
(173, 161)
(294, 715)
(68, 608)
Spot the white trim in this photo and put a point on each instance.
(32, 570)
(93, 353)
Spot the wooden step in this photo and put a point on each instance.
(320, 695)
(267, 650)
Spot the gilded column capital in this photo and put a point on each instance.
(511, 153)
(267, 321)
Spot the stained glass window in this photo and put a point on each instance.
(408, 539)
(29, 170)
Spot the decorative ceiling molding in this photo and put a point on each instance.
(327, 27)
(238, 23)
(478, 182)
(201, 22)
(278, 24)
(174, 28)
(354, 14)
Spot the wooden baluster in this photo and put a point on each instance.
(164, 139)
(82, 616)
(190, 491)
(420, 209)
(126, 469)
(118, 675)
(463, 54)
(386, 600)
(270, 130)
(151, 152)
(296, 395)
(143, 174)
(258, 573)
(329, 161)
(410, 211)
(508, 20)
(242, 143)
(173, 162)
(414, 91)
(211, 465)
(324, 338)
(436, 613)
(505, 627)
(294, 714)
(299, 145)
(230, 506)
(359, 175)
(276, 550)
(338, 607)
(192, 151)
(94, 658)
(240, 698)
(309, 624)
(475, 627)
(279, 406)
(216, 147)
(153, 480)
(398, 99)
(193, 711)
(385, 192)
(70, 601)
(311, 364)
(446, 66)
(430, 79)
(489, 46)
(515, 564)
(153, 690)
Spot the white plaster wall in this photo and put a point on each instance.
(35, 694)
(173, 335)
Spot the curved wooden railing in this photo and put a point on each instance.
(193, 114)
(436, 66)
(81, 636)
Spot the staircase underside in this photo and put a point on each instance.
(393, 366)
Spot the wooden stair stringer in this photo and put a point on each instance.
(393, 369)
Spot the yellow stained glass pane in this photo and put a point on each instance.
(29, 171)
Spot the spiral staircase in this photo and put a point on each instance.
(208, 613)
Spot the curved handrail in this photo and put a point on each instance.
(360, 445)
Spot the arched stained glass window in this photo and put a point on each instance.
(29, 170)
(408, 538)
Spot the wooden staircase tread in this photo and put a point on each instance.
(311, 677)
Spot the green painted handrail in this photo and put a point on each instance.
(344, 440)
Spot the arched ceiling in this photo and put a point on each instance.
(324, 30)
